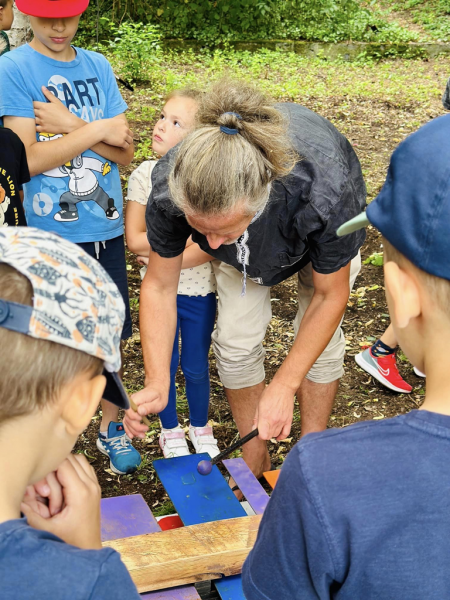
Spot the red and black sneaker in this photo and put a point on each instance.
(384, 369)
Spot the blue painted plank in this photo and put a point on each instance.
(200, 499)
(248, 484)
(230, 588)
(126, 516)
(197, 498)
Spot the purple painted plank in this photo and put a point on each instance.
(126, 516)
(179, 593)
(248, 484)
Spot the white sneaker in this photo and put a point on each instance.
(173, 442)
(203, 440)
(419, 373)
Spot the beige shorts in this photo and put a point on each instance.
(242, 323)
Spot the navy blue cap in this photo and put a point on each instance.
(412, 211)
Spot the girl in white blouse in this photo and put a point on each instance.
(196, 301)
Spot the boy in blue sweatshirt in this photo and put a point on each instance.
(364, 512)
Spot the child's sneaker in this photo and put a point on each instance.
(173, 442)
(384, 369)
(418, 373)
(203, 440)
(123, 458)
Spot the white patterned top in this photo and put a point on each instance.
(197, 281)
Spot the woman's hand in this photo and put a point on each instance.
(151, 400)
(275, 411)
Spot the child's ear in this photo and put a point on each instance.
(403, 294)
(81, 403)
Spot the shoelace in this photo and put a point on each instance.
(121, 445)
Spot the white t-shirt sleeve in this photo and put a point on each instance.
(140, 183)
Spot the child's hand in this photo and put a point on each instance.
(78, 523)
(116, 132)
(45, 497)
(53, 116)
(142, 260)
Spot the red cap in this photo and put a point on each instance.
(52, 9)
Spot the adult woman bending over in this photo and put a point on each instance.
(262, 188)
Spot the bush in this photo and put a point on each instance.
(135, 48)
(211, 21)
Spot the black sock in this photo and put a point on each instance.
(381, 349)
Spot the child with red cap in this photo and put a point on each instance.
(54, 92)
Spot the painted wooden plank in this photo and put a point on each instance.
(272, 477)
(200, 498)
(180, 556)
(230, 588)
(253, 491)
(179, 593)
(124, 516)
(197, 498)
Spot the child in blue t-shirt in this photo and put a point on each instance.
(60, 322)
(64, 104)
(364, 512)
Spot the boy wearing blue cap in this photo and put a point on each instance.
(364, 512)
(61, 317)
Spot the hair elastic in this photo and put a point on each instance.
(230, 130)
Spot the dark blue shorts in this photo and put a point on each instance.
(111, 255)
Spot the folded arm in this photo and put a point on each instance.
(137, 241)
(44, 156)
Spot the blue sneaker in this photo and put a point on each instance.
(123, 458)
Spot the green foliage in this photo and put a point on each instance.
(212, 21)
(434, 15)
(375, 259)
(134, 48)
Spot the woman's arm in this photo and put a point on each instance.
(158, 317)
(135, 230)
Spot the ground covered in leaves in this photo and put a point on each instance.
(375, 106)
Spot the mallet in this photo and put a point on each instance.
(204, 467)
(135, 408)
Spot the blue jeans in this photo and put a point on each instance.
(195, 322)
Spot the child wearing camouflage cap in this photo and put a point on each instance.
(61, 318)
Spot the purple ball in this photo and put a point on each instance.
(204, 467)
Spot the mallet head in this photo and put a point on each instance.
(204, 467)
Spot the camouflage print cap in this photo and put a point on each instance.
(75, 302)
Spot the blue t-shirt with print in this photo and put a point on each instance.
(361, 513)
(36, 564)
(81, 200)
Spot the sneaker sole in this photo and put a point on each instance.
(111, 466)
(375, 373)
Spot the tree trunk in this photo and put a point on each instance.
(20, 31)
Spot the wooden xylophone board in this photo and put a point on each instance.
(197, 499)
